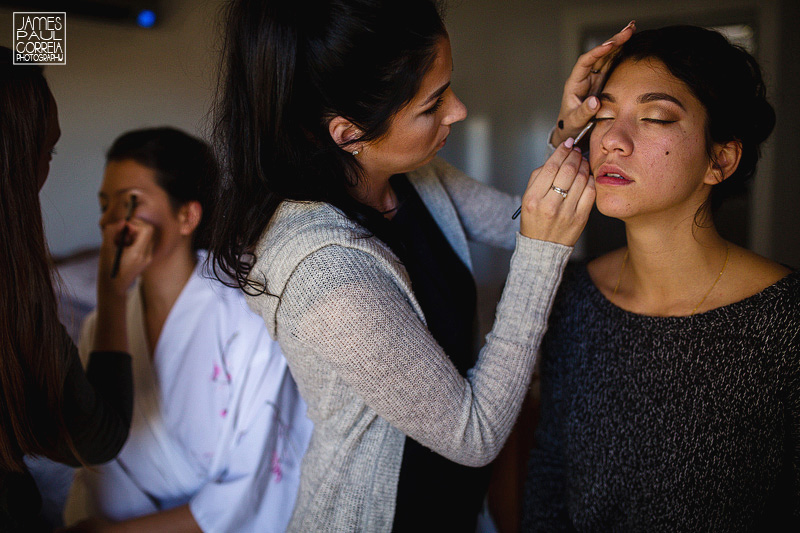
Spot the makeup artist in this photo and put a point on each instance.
(49, 407)
(350, 238)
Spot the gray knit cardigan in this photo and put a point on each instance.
(340, 304)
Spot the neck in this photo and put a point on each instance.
(376, 192)
(669, 270)
(164, 280)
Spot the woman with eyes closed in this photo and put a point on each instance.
(350, 238)
(671, 370)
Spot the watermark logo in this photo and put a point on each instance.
(40, 38)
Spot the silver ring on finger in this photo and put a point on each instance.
(559, 190)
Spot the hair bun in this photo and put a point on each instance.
(762, 119)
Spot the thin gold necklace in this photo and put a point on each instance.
(696, 307)
(621, 270)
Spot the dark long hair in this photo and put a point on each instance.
(726, 80)
(33, 344)
(288, 68)
(184, 167)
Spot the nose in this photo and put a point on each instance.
(617, 138)
(456, 111)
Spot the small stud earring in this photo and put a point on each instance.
(355, 152)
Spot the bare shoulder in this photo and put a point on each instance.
(604, 271)
(752, 273)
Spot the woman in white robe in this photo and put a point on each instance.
(219, 428)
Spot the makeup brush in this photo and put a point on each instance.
(123, 237)
(580, 136)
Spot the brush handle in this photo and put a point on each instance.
(123, 237)
(118, 254)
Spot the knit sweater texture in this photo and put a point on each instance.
(668, 423)
(340, 304)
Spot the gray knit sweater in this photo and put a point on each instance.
(668, 423)
(371, 373)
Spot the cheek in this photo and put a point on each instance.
(666, 155)
(166, 227)
(421, 140)
(414, 144)
(423, 132)
(157, 220)
(688, 154)
(148, 216)
(678, 166)
(594, 157)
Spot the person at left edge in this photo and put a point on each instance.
(48, 406)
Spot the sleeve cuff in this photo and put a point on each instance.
(550, 140)
(533, 280)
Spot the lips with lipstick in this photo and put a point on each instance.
(607, 175)
(443, 141)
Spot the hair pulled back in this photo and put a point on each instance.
(184, 166)
(33, 344)
(726, 80)
(288, 69)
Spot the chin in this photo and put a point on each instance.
(613, 207)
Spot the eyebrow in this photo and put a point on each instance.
(655, 97)
(645, 98)
(120, 192)
(436, 95)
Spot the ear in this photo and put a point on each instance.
(726, 161)
(189, 216)
(343, 132)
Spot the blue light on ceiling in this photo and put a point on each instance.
(146, 19)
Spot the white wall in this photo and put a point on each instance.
(119, 77)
